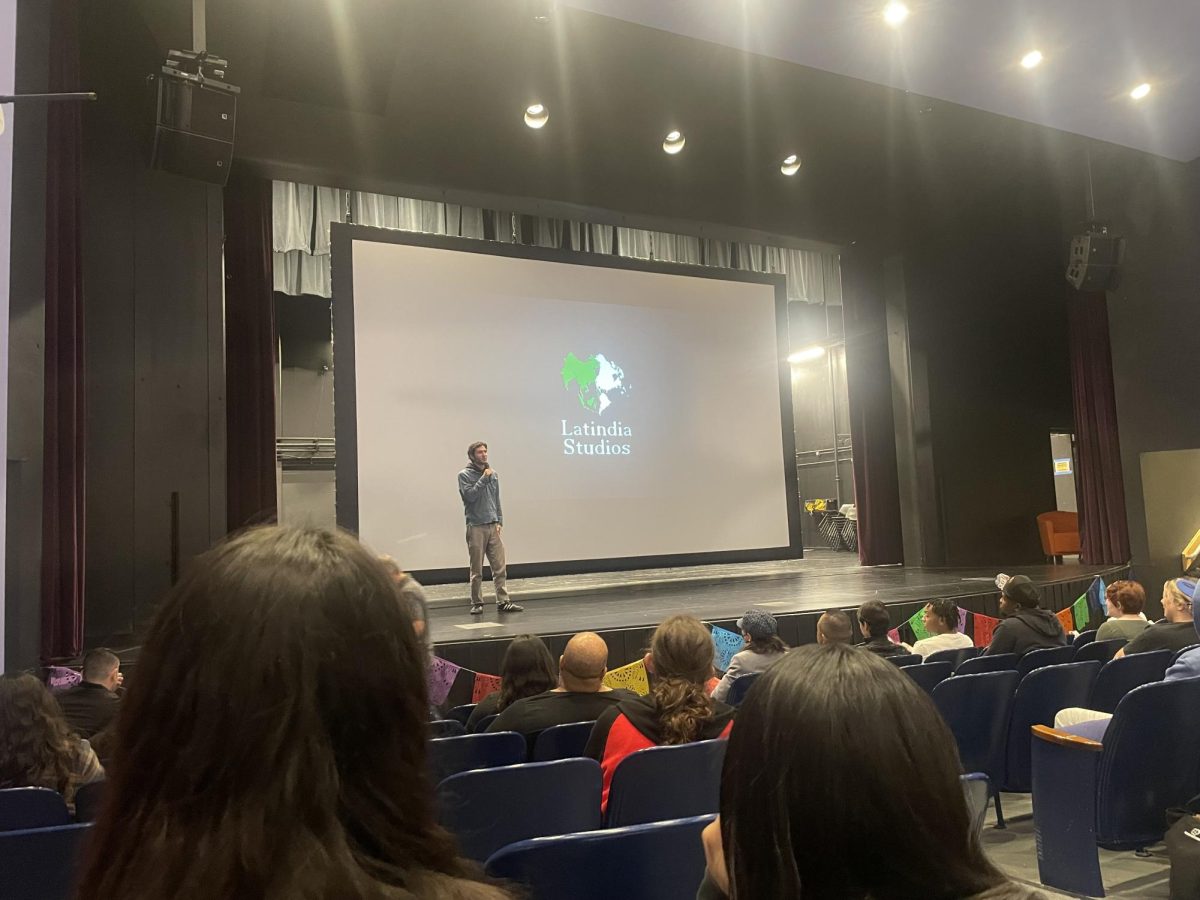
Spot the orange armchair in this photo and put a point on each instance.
(1059, 532)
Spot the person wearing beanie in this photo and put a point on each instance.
(1025, 625)
(760, 632)
(1176, 630)
(1188, 664)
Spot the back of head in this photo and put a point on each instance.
(254, 759)
(834, 627)
(875, 737)
(681, 651)
(874, 615)
(1021, 591)
(526, 670)
(99, 664)
(946, 612)
(35, 744)
(584, 662)
(1128, 597)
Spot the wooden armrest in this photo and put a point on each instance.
(1063, 739)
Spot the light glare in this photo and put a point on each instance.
(790, 164)
(1140, 91)
(807, 354)
(673, 142)
(895, 13)
(536, 115)
(1032, 59)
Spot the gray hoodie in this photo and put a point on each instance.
(1027, 629)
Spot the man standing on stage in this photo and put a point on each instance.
(479, 488)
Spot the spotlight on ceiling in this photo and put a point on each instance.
(536, 115)
(1140, 91)
(806, 354)
(1032, 59)
(895, 13)
(790, 165)
(673, 142)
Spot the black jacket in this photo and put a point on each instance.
(88, 708)
(1025, 630)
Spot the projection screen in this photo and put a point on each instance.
(637, 414)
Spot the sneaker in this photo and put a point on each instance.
(477, 609)
(509, 606)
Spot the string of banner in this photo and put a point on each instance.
(456, 685)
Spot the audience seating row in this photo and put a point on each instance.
(38, 807)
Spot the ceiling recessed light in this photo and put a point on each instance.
(895, 13)
(806, 354)
(790, 165)
(1032, 59)
(536, 115)
(673, 142)
(1140, 91)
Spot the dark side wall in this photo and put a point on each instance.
(154, 341)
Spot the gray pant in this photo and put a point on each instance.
(485, 539)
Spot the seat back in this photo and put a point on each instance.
(670, 782)
(1048, 656)
(562, 741)
(1100, 651)
(905, 659)
(440, 728)
(32, 807)
(1120, 676)
(976, 789)
(449, 756)
(87, 801)
(490, 808)
(482, 725)
(1148, 763)
(1179, 653)
(955, 657)
(1040, 695)
(41, 863)
(739, 686)
(659, 861)
(976, 707)
(999, 662)
(461, 713)
(1084, 637)
(928, 674)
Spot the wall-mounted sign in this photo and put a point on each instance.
(1062, 466)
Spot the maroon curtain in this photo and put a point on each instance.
(1100, 484)
(250, 347)
(872, 427)
(63, 458)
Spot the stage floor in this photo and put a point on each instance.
(639, 599)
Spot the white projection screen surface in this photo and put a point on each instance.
(634, 417)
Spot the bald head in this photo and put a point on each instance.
(834, 628)
(584, 662)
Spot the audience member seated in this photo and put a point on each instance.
(760, 632)
(412, 593)
(1024, 624)
(37, 748)
(1175, 631)
(581, 695)
(834, 627)
(1187, 666)
(93, 703)
(678, 709)
(526, 670)
(892, 822)
(940, 619)
(1124, 600)
(874, 623)
(273, 742)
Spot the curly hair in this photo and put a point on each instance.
(1128, 597)
(682, 654)
(526, 670)
(36, 746)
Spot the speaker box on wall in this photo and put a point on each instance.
(193, 134)
(1095, 261)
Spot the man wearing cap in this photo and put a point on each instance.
(760, 632)
(1025, 625)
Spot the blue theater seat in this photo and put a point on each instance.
(1040, 695)
(41, 863)
(928, 674)
(999, 662)
(1101, 651)
(561, 741)
(449, 756)
(955, 657)
(32, 807)
(1120, 676)
(739, 686)
(670, 782)
(1048, 656)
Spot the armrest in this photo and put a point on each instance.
(1063, 739)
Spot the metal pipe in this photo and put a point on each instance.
(837, 470)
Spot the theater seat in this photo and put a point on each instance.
(928, 675)
(739, 686)
(449, 756)
(1059, 532)
(1040, 695)
(955, 657)
(32, 807)
(41, 863)
(998, 662)
(669, 782)
(1114, 794)
(1120, 676)
(658, 861)
(1101, 651)
(1047, 656)
(561, 741)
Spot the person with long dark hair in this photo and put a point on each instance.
(273, 744)
(37, 748)
(842, 781)
(526, 670)
(678, 709)
(760, 632)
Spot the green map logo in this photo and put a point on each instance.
(596, 379)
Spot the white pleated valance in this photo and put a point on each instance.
(302, 214)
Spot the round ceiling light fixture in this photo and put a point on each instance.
(1032, 59)
(673, 142)
(790, 164)
(895, 13)
(1140, 91)
(536, 115)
